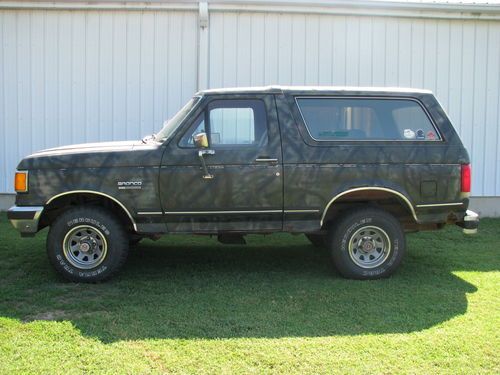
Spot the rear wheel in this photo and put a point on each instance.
(367, 244)
(87, 244)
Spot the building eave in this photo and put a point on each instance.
(412, 9)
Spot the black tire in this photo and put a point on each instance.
(103, 236)
(318, 240)
(367, 244)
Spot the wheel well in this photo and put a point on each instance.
(60, 204)
(385, 200)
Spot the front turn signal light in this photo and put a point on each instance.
(21, 182)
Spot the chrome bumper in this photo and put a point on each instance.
(469, 223)
(25, 218)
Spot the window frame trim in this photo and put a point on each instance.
(436, 128)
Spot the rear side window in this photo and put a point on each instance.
(335, 119)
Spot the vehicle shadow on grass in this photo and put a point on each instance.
(277, 286)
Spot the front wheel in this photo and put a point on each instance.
(87, 244)
(367, 244)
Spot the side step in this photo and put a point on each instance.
(231, 239)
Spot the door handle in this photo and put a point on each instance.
(206, 175)
(266, 160)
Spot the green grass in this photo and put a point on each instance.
(190, 305)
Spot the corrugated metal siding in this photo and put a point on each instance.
(79, 76)
(458, 60)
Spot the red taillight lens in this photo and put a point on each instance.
(466, 178)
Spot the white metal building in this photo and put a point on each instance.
(73, 72)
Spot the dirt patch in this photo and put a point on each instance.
(47, 315)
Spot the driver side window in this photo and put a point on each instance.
(231, 123)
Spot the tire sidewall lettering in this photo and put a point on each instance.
(88, 221)
(350, 230)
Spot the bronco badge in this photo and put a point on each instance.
(123, 185)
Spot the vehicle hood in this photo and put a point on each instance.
(87, 148)
(94, 155)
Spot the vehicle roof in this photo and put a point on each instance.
(313, 89)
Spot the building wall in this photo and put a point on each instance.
(90, 75)
(458, 60)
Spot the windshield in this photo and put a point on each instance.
(175, 121)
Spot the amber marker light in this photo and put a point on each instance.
(21, 182)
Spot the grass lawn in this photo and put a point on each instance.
(190, 305)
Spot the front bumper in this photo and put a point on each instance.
(25, 218)
(469, 223)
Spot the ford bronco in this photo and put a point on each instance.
(351, 168)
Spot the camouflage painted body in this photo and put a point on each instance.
(291, 194)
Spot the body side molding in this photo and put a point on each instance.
(439, 204)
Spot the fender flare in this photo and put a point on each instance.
(388, 190)
(96, 193)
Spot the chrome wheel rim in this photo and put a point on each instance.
(85, 247)
(369, 247)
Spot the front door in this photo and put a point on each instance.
(241, 188)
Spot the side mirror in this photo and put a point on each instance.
(200, 140)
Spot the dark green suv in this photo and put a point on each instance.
(353, 169)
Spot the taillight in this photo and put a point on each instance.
(466, 178)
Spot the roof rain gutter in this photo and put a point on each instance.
(386, 8)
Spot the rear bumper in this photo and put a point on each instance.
(469, 223)
(25, 218)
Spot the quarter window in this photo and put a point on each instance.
(331, 119)
(197, 127)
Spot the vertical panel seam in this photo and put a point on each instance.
(449, 67)
(58, 120)
(484, 108)
(29, 86)
(98, 64)
(126, 74)
(85, 77)
(497, 179)
(112, 76)
(44, 76)
(4, 117)
(17, 81)
(155, 19)
(141, 22)
(183, 16)
(473, 94)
